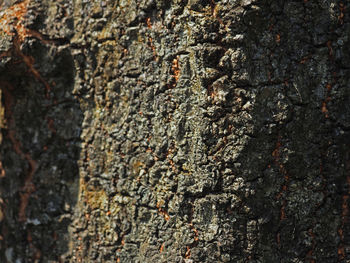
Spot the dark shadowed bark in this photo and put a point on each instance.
(175, 131)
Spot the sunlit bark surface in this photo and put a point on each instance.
(175, 131)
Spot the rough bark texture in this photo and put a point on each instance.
(175, 131)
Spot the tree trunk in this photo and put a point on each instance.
(175, 131)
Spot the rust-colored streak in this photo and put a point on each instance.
(278, 238)
(196, 235)
(50, 125)
(283, 210)
(29, 61)
(330, 49)
(309, 255)
(195, 232)
(28, 187)
(341, 252)
(16, 144)
(13, 20)
(344, 219)
(155, 57)
(341, 13)
(163, 212)
(12, 23)
(324, 108)
(161, 248)
(328, 87)
(212, 6)
(168, 157)
(2, 170)
(175, 69)
(214, 11)
(304, 59)
(278, 38)
(188, 253)
(150, 40)
(37, 253)
(79, 249)
(148, 22)
(276, 152)
(344, 215)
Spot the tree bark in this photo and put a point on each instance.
(175, 131)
